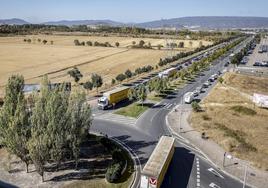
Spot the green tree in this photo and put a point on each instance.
(89, 43)
(44, 41)
(141, 93)
(75, 74)
(51, 42)
(113, 81)
(181, 45)
(132, 94)
(141, 43)
(128, 73)
(38, 143)
(14, 120)
(196, 107)
(96, 81)
(117, 44)
(88, 85)
(76, 42)
(80, 122)
(120, 77)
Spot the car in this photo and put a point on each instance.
(200, 89)
(206, 84)
(257, 63)
(195, 93)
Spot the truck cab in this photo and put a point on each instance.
(103, 103)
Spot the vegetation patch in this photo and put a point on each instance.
(244, 110)
(239, 136)
(134, 110)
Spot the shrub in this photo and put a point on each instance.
(244, 110)
(196, 107)
(113, 172)
(120, 77)
(206, 117)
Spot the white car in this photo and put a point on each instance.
(206, 84)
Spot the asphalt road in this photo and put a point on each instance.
(188, 167)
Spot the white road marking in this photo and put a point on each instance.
(213, 185)
(215, 172)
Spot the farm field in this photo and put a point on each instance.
(232, 120)
(35, 59)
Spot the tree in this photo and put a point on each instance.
(128, 73)
(221, 80)
(200, 44)
(76, 42)
(14, 120)
(120, 77)
(132, 94)
(117, 44)
(39, 40)
(141, 93)
(141, 43)
(88, 85)
(89, 43)
(29, 40)
(44, 41)
(38, 143)
(75, 74)
(196, 107)
(191, 44)
(113, 81)
(80, 122)
(51, 42)
(56, 107)
(96, 81)
(133, 43)
(159, 46)
(181, 45)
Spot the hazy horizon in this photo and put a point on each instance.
(127, 11)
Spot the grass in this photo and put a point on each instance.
(233, 121)
(244, 110)
(134, 110)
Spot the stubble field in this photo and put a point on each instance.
(33, 60)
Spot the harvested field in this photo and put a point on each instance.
(233, 121)
(35, 59)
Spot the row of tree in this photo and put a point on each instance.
(128, 74)
(96, 80)
(96, 43)
(44, 128)
(38, 40)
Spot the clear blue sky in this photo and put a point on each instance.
(127, 10)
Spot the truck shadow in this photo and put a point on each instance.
(179, 170)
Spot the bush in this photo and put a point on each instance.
(120, 77)
(244, 110)
(196, 107)
(113, 172)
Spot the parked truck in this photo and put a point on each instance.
(111, 98)
(156, 167)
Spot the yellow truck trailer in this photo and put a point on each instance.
(156, 167)
(113, 97)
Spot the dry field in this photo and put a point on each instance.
(233, 121)
(35, 59)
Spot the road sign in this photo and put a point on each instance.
(153, 181)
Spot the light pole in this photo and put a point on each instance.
(245, 176)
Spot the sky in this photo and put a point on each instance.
(37, 11)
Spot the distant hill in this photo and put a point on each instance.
(13, 21)
(84, 22)
(198, 22)
(210, 22)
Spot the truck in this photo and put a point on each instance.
(167, 73)
(188, 97)
(113, 97)
(153, 173)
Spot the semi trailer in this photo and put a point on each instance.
(113, 97)
(156, 167)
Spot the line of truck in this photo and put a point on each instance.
(119, 94)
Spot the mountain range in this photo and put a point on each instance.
(198, 22)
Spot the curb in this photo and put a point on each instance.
(205, 155)
(134, 156)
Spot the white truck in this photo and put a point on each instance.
(188, 97)
(167, 73)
